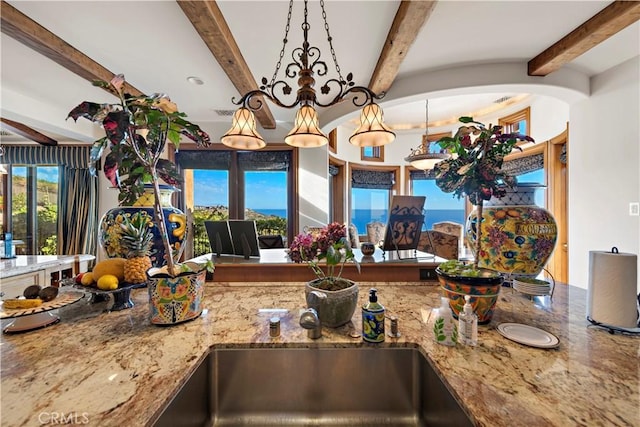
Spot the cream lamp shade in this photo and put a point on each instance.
(372, 131)
(243, 133)
(306, 133)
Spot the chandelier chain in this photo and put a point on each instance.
(330, 39)
(426, 119)
(284, 44)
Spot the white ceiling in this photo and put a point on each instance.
(157, 48)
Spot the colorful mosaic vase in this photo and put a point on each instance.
(174, 300)
(518, 237)
(175, 219)
(483, 291)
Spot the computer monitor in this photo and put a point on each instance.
(244, 236)
(219, 237)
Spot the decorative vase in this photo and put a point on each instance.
(518, 237)
(176, 220)
(483, 291)
(338, 307)
(175, 299)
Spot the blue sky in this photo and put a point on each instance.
(46, 173)
(264, 189)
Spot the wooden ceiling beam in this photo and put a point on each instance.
(610, 20)
(26, 132)
(19, 26)
(410, 18)
(209, 22)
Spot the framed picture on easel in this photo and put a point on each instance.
(405, 223)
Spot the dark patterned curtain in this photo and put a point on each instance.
(372, 179)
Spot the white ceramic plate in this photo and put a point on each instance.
(528, 335)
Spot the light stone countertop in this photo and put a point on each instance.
(115, 369)
(23, 264)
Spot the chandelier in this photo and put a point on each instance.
(422, 157)
(371, 132)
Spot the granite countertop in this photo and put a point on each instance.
(115, 368)
(22, 264)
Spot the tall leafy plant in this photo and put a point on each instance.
(137, 129)
(475, 168)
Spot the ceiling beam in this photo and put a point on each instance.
(26, 132)
(19, 26)
(613, 18)
(209, 22)
(410, 18)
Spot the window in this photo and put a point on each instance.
(439, 206)
(371, 191)
(372, 154)
(33, 208)
(517, 122)
(225, 184)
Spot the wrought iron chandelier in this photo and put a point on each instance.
(371, 132)
(422, 157)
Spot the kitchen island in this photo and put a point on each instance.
(115, 369)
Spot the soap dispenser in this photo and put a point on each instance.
(373, 319)
(445, 329)
(468, 324)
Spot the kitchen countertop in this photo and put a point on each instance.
(23, 264)
(114, 369)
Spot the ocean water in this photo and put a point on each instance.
(363, 216)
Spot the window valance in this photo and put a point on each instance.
(372, 179)
(222, 159)
(419, 175)
(524, 164)
(73, 157)
(264, 160)
(334, 170)
(201, 159)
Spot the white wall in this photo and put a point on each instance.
(313, 187)
(604, 163)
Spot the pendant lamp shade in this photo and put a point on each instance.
(243, 133)
(372, 131)
(306, 133)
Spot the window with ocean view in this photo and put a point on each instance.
(369, 205)
(439, 206)
(222, 185)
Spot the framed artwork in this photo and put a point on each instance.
(405, 223)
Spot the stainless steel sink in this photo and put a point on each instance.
(314, 387)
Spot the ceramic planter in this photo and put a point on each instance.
(177, 299)
(518, 237)
(338, 308)
(484, 293)
(109, 236)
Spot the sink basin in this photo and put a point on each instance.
(314, 387)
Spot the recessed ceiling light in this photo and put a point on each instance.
(195, 80)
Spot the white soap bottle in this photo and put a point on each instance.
(468, 324)
(445, 329)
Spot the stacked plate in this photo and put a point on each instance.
(530, 286)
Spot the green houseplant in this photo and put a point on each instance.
(137, 130)
(326, 252)
(474, 171)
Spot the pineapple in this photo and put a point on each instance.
(137, 241)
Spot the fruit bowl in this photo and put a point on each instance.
(121, 295)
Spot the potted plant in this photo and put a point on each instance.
(474, 171)
(137, 130)
(326, 252)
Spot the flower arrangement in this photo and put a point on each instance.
(329, 245)
(475, 169)
(136, 131)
